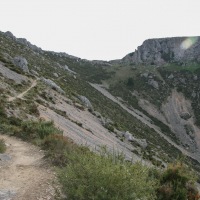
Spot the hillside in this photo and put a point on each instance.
(142, 106)
(74, 83)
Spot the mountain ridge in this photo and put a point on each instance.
(163, 50)
(139, 55)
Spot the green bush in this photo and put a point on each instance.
(2, 146)
(30, 130)
(58, 147)
(91, 176)
(177, 183)
(40, 128)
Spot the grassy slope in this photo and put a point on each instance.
(48, 63)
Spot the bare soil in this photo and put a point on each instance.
(24, 174)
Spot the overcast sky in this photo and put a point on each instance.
(98, 29)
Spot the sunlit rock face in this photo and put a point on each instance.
(165, 50)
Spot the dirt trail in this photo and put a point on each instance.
(34, 83)
(24, 175)
(132, 112)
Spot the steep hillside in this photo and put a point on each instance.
(169, 95)
(132, 108)
(60, 87)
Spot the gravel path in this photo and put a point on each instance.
(20, 96)
(23, 173)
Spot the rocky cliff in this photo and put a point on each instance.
(160, 51)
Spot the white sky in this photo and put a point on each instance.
(98, 29)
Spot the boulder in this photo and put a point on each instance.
(194, 94)
(56, 75)
(153, 83)
(171, 76)
(52, 84)
(146, 74)
(128, 136)
(21, 63)
(69, 70)
(4, 157)
(195, 77)
(185, 115)
(106, 122)
(85, 101)
(141, 142)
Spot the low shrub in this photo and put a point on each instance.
(38, 129)
(58, 147)
(177, 182)
(2, 146)
(92, 176)
(32, 109)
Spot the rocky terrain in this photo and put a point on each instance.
(161, 51)
(145, 106)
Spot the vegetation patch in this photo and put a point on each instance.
(2, 146)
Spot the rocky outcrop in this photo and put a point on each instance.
(85, 101)
(160, 51)
(69, 70)
(153, 83)
(141, 142)
(52, 84)
(21, 63)
(178, 113)
(11, 75)
(56, 75)
(106, 122)
(22, 41)
(185, 115)
(34, 72)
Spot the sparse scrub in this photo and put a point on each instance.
(92, 176)
(37, 129)
(32, 109)
(58, 147)
(2, 146)
(177, 182)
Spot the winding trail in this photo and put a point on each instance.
(20, 96)
(24, 174)
(143, 120)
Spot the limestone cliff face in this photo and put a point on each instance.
(165, 50)
(177, 113)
